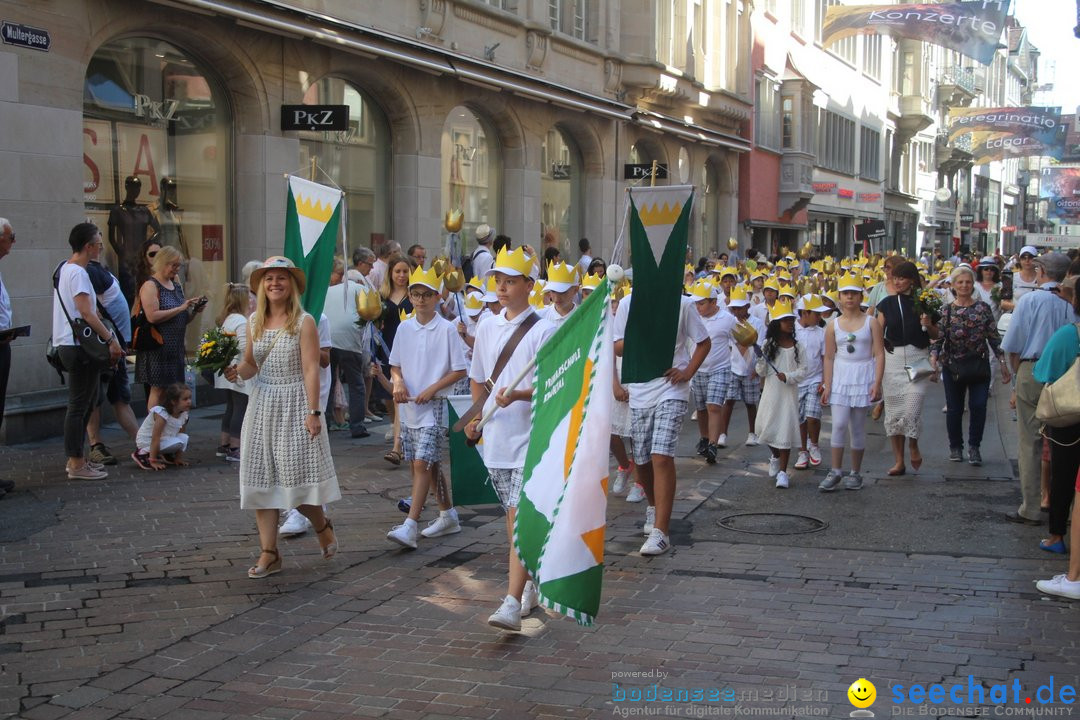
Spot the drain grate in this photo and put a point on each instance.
(772, 523)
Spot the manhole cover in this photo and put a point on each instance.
(772, 523)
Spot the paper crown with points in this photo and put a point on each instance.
(781, 309)
(702, 290)
(475, 282)
(725, 271)
(787, 291)
(591, 282)
(473, 304)
(403, 316)
(772, 283)
(689, 269)
(738, 297)
(428, 278)
(561, 276)
(513, 263)
(536, 297)
(850, 281)
(489, 290)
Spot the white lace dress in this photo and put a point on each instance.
(281, 466)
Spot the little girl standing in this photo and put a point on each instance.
(783, 367)
(854, 366)
(162, 433)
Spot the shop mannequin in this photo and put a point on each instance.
(128, 224)
(171, 217)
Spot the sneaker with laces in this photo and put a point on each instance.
(95, 465)
(974, 456)
(956, 454)
(702, 445)
(815, 455)
(650, 519)
(232, 455)
(87, 472)
(403, 534)
(636, 494)
(221, 451)
(831, 481)
(710, 455)
(142, 460)
(853, 481)
(446, 523)
(530, 599)
(619, 486)
(782, 481)
(1061, 586)
(774, 466)
(294, 524)
(657, 544)
(101, 455)
(752, 440)
(508, 616)
(803, 460)
(721, 442)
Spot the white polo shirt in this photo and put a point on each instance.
(506, 436)
(425, 353)
(691, 332)
(811, 346)
(552, 315)
(741, 366)
(719, 327)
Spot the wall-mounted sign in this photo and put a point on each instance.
(981, 225)
(966, 219)
(213, 243)
(845, 193)
(824, 188)
(870, 230)
(643, 171)
(1008, 228)
(327, 118)
(869, 197)
(25, 36)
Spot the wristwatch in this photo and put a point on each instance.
(316, 413)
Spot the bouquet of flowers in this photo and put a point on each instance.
(217, 350)
(928, 302)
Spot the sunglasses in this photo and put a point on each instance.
(851, 342)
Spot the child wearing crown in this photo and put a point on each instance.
(810, 333)
(562, 289)
(506, 434)
(427, 358)
(710, 383)
(783, 366)
(745, 385)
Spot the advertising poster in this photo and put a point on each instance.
(1060, 187)
(99, 184)
(142, 152)
(972, 28)
(990, 146)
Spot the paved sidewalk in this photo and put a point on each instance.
(128, 598)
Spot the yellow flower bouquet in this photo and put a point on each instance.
(217, 350)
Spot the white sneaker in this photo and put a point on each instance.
(445, 524)
(803, 460)
(389, 436)
(530, 599)
(619, 486)
(657, 544)
(752, 441)
(508, 616)
(815, 455)
(774, 466)
(1061, 586)
(636, 494)
(782, 480)
(403, 534)
(721, 441)
(650, 519)
(295, 524)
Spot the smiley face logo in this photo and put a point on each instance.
(862, 693)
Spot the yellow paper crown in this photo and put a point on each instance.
(784, 277)
(536, 297)
(702, 290)
(781, 308)
(517, 262)
(787, 291)
(738, 294)
(850, 281)
(403, 316)
(773, 283)
(833, 295)
(428, 278)
(562, 273)
(688, 269)
(473, 302)
(476, 282)
(591, 282)
(724, 271)
(489, 286)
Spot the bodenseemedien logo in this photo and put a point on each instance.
(862, 695)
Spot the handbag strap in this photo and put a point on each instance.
(56, 288)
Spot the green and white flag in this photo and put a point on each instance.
(561, 516)
(659, 228)
(468, 474)
(312, 219)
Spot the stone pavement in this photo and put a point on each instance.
(128, 598)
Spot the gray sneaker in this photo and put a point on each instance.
(831, 481)
(853, 481)
(956, 454)
(974, 456)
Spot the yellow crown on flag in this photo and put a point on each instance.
(656, 215)
(562, 273)
(591, 282)
(516, 262)
(428, 278)
(702, 290)
(315, 211)
(781, 309)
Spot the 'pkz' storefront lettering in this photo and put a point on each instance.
(155, 110)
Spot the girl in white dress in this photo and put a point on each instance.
(783, 366)
(285, 451)
(854, 366)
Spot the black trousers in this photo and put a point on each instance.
(84, 384)
(1064, 462)
(5, 370)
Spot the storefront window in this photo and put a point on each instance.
(357, 159)
(155, 147)
(560, 188)
(470, 170)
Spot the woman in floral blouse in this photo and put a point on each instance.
(967, 326)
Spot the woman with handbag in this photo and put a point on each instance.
(86, 347)
(1059, 362)
(907, 364)
(967, 326)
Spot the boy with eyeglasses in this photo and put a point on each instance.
(427, 358)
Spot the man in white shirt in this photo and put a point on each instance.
(657, 410)
(7, 239)
(482, 259)
(586, 257)
(347, 350)
(378, 269)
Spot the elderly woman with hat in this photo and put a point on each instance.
(285, 453)
(988, 284)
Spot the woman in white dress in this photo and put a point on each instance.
(285, 451)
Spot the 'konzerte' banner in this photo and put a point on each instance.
(973, 28)
(1061, 188)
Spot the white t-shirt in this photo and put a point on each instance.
(691, 332)
(584, 263)
(552, 315)
(719, 327)
(744, 366)
(506, 436)
(5, 306)
(237, 324)
(325, 376)
(173, 425)
(482, 260)
(425, 353)
(811, 345)
(73, 281)
(761, 312)
(1021, 286)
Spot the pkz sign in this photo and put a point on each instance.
(25, 36)
(315, 117)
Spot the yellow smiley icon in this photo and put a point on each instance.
(862, 693)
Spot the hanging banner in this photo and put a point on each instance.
(1060, 188)
(972, 28)
(1041, 122)
(987, 147)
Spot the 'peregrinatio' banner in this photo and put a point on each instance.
(1021, 121)
(972, 28)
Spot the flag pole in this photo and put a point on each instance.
(510, 388)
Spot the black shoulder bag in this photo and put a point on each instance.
(93, 349)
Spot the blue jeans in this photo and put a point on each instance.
(978, 393)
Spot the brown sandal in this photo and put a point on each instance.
(393, 457)
(328, 551)
(258, 572)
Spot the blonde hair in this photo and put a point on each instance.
(166, 254)
(962, 270)
(387, 286)
(293, 309)
(237, 296)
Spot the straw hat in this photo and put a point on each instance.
(278, 262)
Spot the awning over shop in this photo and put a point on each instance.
(666, 124)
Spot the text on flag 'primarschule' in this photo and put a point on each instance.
(555, 383)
